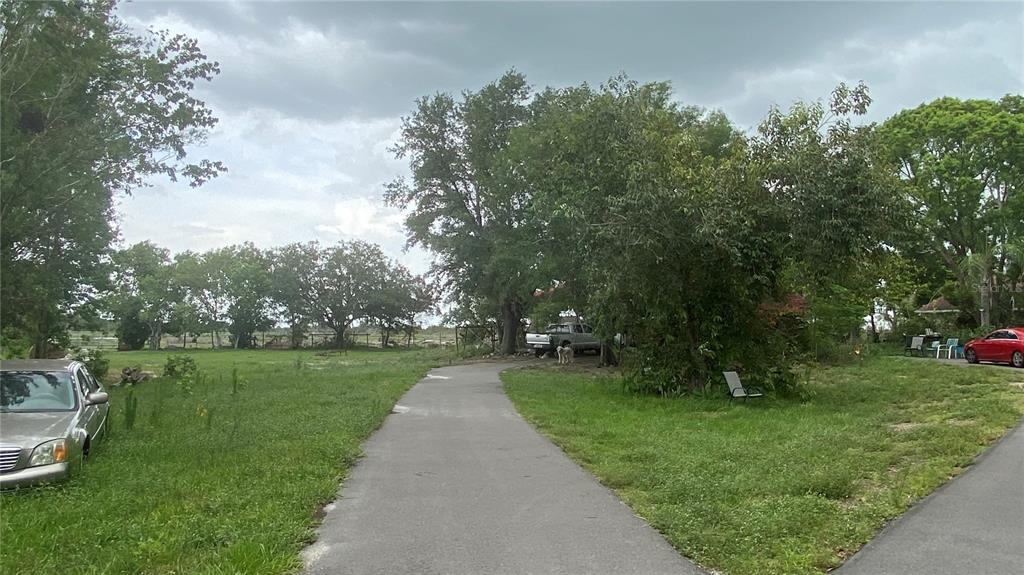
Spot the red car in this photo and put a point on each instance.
(1001, 346)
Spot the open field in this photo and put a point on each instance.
(777, 486)
(221, 478)
(431, 336)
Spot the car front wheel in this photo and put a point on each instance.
(1018, 359)
(971, 356)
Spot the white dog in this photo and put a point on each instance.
(565, 354)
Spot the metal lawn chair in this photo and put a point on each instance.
(736, 388)
(916, 344)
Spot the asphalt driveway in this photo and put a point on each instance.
(455, 482)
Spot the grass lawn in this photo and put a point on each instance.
(777, 486)
(215, 480)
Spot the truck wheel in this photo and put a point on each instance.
(539, 353)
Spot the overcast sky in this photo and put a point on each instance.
(310, 95)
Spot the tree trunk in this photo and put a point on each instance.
(339, 337)
(986, 300)
(608, 356)
(41, 345)
(297, 335)
(511, 317)
(155, 331)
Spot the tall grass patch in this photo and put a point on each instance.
(219, 471)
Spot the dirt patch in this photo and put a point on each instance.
(849, 503)
(961, 422)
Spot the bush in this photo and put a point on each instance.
(94, 361)
(971, 333)
(131, 332)
(180, 366)
(14, 343)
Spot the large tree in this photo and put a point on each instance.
(652, 217)
(89, 110)
(397, 299)
(329, 286)
(144, 290)
(466, 202)
(203, 280)
(247, 291)
(962, 167)
(821, 170)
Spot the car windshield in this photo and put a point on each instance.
(36, 391)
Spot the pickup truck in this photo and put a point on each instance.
(581, 337)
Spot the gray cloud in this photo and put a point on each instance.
(328, 60)
(311, 93)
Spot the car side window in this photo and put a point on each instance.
(588, 329)
(83, 384)
(1009, 335)
(91, 381)
(577, 328)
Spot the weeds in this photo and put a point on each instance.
(224, 477)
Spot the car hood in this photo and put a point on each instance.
(29, 429)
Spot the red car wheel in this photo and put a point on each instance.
(971, 356)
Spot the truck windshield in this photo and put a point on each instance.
(36, 391)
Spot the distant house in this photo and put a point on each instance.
(939, 305)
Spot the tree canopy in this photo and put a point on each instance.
(711, 248)
(90, 110)
(464, 199)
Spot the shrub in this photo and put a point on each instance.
(94, 361)
(14, 343)
(131, 331)
(980, 331)
(180, 366)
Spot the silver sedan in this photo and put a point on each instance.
(51, 413)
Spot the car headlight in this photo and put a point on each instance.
(50, 452)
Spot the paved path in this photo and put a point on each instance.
(974, 524)
(459, 483)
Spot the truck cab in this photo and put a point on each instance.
(580, 336)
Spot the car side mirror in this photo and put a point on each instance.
(97, 398)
